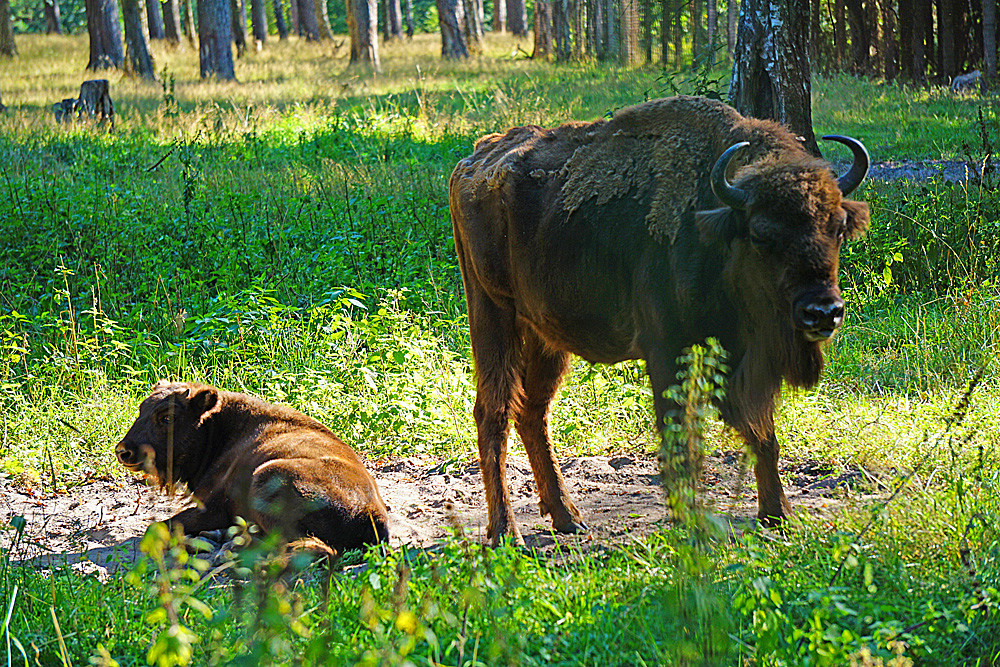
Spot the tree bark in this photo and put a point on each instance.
(732, 14)
(171, 21)
(323, 19)
(308, 27)
(771, 77)
(140, 62)
(946, 32)
(408, 8)
(839, 34)
(860, 44)
(215, 37)
(362, 23)
(814, 43)
(517, 17)
(630, 32)
(560, 30)
(918, 41)
(393, 20)
(238, 13)
(154, 19)
(696, 32)
(544, 39)
(712, 19)
(293, 14)
(890, 55)
(258, 21)
(647, 30)
(989, 44)
(8, 47)
(595, 36)
(905, 15)
(106, 50)
(189, 27)
(473, 25)
(279, 19)
(499, 16)
(53, 22)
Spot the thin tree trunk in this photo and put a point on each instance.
(906, 39)
(696, 44)
(890, 55)
(258, 21)
(323, 18)
(238, 12)
(814, 43)
(8, 47)
(679, 33)
(771, 77)
(989, 43)
(451, 18)
(859, 36)
(408, 8)
(53, 22)
(215, 38)
(362, 23)
(946, 32)
(871, 20)
(630, 32)
(393, 20)
(106, 49)
(189, 28)
(613, 35)
(595, 19)
(839, 34)
(544, 39)
(579, 40)
(665, 26)
(517, 17)
(560, 30)
(136, 39)
(712, 17)
(296, 21)
(171, 21)
(918, 42)
(279, 19)
(647, 30)
(499, 16)
(732, 14)
(473, 25)
(154, 19)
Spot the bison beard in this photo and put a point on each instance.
(271, 465)
(625, 239)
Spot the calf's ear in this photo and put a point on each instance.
(858, 217)
(718, 226)
(202, 399)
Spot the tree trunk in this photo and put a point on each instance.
(499, 16)
(296, 22)
(258, 21)
(814, 43)
(408, 7)
(473, 25)
(323, 19)
(543, 30)
(665, 27)
(362, 24)
(7, 45)
(308, 26)
(154, 19)
(946, 32)
(560, 30)
(279, 19)
(189, 28)
(918, 41)
(215, 37)
(930, 53)
(238, 12)
(732, 14)
(647, 30)
(579, 10)
(871, 20)
(171, 21)
(771, 77)
(860, 44)
(630, 32)
(890, 55)
(106, 50)
(53, 22)
(696, 44)
(712, 17)
(595, 36)
(517, 17)
(989, 43)
(393, 20)
(839, 34)
(905, 15)
(140, 62)
(679, 33)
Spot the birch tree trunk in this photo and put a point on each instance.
(543, 29)
(771, 77)
(189, 28)
(408, 8)
(140, 62)
(393, 20)
(362, 23)
(215, 37)
(53, 22)
(106, 50)
(323, 19)
(172, 21)
(499, 16)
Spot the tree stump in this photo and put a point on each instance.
(95, 99)
(66, 110)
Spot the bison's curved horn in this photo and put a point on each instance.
(852, 179)
(731, 196)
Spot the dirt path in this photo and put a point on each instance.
(96, 527)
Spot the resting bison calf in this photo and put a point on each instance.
(626, 239)
(271, 465)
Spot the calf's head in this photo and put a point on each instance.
(786, 219)
(168, 430)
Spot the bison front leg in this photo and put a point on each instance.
(214, 515)
(543, 372)
(772, 505)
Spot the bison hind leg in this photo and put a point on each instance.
(543, 370)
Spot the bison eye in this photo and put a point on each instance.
(165, 418)
(758, 241)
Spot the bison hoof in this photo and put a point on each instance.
(571, 527)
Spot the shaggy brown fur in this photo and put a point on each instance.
(606, 240)
(271, 465)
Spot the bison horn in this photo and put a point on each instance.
(729, 195)
(852, 179)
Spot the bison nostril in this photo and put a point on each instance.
(821, 315)
(126, 456)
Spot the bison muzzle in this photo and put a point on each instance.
(271, 465)
(634, 238)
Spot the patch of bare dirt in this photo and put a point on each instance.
(96, 527)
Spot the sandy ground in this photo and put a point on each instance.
(96, 527)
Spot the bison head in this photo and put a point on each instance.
(788, 216)
(166, 431)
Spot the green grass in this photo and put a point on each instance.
(289, 236)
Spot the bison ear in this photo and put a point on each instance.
(719, 226)
(858, 217)
(203, 399)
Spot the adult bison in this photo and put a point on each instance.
(625, 239)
